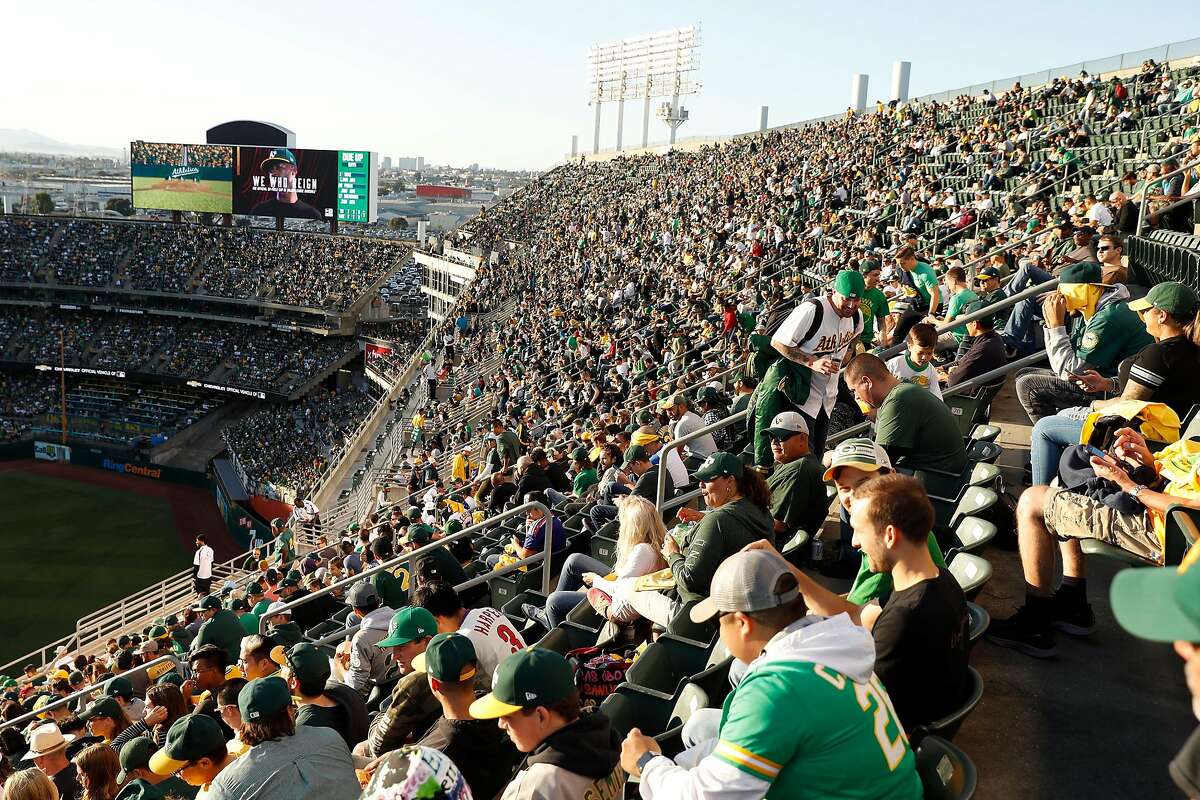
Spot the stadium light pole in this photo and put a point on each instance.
(62, 384)
(653, 65)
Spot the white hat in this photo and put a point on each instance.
(787, 422)
(46, 739)
(277, 608)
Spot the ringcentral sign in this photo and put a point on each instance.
(131, 469)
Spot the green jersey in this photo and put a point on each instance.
(1113, 334)
(874, 306)
(583, 481)
(847, 742)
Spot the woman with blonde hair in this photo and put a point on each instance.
(29, 784)
(98, 768)
(639, 541)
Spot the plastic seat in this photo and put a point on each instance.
(973, 533)
(795, 546)
(971, 572)
(974, 501)
(714, 679)
(985, 474)
(980, 620)
(948, 725)
(681, 625)
(946, 771)
(585, 616)
(666, 663)
(604, 549)
(691, 698)
(565, 638)
(986, 452)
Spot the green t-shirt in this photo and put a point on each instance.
(870, 586)
(925, 279)
(874, 306)
(955, 308)
(583, 480)
(1112, 334)
(249, 622)
(798, 494)
(507, 444)
(847, 743)
(914, 425)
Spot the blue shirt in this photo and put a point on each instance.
(535, 538)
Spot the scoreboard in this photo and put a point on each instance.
(356, 196)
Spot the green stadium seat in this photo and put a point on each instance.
(666, 663)
(566, 637)
(948, 725)
(980, 619)
(681, 625)
(973, 533)
(691, 698)
(946, 771)
(984, 433)
(794, 547)
(585, 616)
(604, 549)
(633, 707)
(971, 572)
(985, 452)
(974, 501)
(986, 475)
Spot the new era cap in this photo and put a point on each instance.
(305, 661)
(787, 423)
(1172, 297)
(635, 452)
(861, 453)
(988, 272)
(210, 603)
(849, 283)
(362, 594)
(1084, 272)
(409, 623)
(103, 706)
(263, 697)
(747, 581)
(450, 657)
(190, 738)
(533, 677)
(135, 754)
(720, 464)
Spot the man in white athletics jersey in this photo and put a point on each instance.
(492, 633)
(814, 341)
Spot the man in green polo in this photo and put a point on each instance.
(221, 627)
(571, 753)
(798, 501)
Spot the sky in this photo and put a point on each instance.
(505, 84)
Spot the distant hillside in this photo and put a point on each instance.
(23, 141)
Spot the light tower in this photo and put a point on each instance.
(653, 65)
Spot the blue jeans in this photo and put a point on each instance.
(570, 580)
(1051, 436)
(1016, 331)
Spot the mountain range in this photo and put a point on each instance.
(25, 141)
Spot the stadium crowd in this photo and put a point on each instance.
(647, 298)
(171, 155)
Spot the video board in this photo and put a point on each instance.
(318, 185)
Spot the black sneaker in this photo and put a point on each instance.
(537, 614)
(1022, 633)
(1071, 614)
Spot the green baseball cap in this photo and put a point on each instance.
(277, 522)
(409, 623)
(171, 677)
(103, 706)
(254, 590)
(988, 272)
(171, 621)
(580, 453)
(135, 754)
(979, 305)
(212, 602)
(140, 790)
(849, 283)
(263, 697)
(1172, 297)
(238, 604)
(450, 657)
(635, 452)
(304, 660)
(1083, 272)
(289, 582)
(354, 526)
(860, 453)
(413, 514)
(1161, 604)
(120, 687)
(159, 632)
(718, 465)
(419, 534)
(533, 677)
(190, 738)
(708, 394)
(124, 641)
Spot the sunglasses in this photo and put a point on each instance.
(1104, 249)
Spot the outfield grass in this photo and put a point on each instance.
(67, 548)
(216, 197)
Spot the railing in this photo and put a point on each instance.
(675, 444)
(85, 694)
(412, 556)
(1192, 198)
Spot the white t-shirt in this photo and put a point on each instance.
(1100, 215)
(703, 447)
(493, 637)
(204, 561)
(904, 370)
(831, 340)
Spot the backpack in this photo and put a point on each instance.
(777, 319)
(598, 673)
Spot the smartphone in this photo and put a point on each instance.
(1095, 451)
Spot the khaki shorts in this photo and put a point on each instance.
(1075, 516)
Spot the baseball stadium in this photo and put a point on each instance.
(850, 457)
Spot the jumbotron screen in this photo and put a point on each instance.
(257, 181)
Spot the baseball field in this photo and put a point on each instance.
(76, 539)
(183, 195)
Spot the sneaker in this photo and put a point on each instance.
(537, 614)
(1071, 614)
(1023, 634)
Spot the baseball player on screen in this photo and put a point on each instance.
(281, 168)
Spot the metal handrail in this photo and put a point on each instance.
(675, 444)
(1174, 204)
(83, 694)
(546, 554)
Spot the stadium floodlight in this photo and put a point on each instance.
(662, 64)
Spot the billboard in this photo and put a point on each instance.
(182, 177)
(257, 181)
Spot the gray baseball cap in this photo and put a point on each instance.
(362, 594)
(746, 581)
